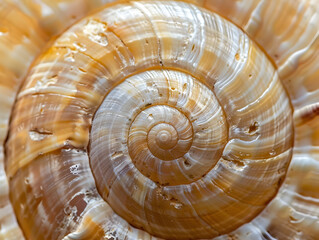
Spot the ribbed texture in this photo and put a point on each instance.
(160, 119)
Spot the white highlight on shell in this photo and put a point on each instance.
(96, 32)
(241, 162)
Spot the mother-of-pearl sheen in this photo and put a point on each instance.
(234, 145)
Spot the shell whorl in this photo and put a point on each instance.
(164, 120)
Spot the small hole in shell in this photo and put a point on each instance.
(253, 128)
(187, 163)
(27, 181)
(237, 56)
(117, 155)
(82, 70)
(292, 218)
(54, 76)
(150, 117)
(239, 164)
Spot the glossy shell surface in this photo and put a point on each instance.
(159, 120)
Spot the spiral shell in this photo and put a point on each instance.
(162, 120)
